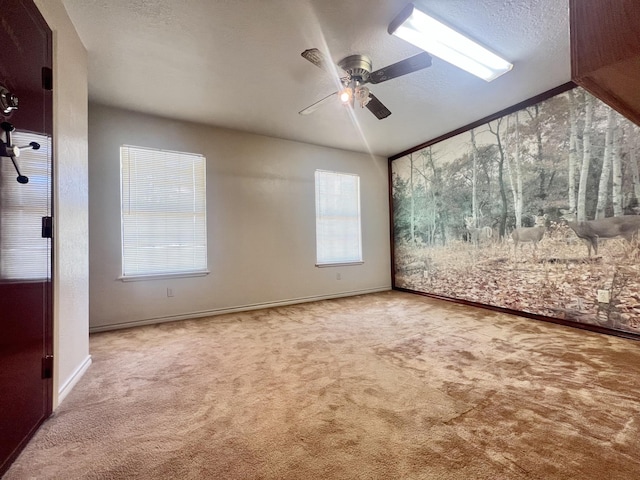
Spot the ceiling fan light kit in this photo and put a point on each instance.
(363, 96)
(427, 33)
(346, 96)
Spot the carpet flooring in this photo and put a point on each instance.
(383, 386)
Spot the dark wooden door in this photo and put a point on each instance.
(25, 253)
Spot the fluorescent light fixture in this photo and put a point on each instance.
(425, 32)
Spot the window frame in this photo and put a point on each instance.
(203, 270)
(322, 263)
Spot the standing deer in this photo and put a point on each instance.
(590, 231)
(477, 235)
(530, 234)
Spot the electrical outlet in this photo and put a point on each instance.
(338, 276)
(603, 296)
(169, 292)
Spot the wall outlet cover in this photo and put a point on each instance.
(603, 296)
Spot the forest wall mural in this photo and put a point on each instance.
(536, 211)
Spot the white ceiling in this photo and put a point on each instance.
(237, 64)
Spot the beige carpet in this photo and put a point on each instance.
(383, 386)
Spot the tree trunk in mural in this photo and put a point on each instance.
(412, 213)
(605, 174)
(503, 193)
(510, 169)
(514, 171)
(534, 114)
(474, 180)
(635, 175)
(586, 159)
(437, 194)
(518, 204)
(424, 223)
(573, 149)
(617, 171)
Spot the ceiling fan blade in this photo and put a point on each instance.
(403, 67)
(316, 57)
(376, 107)
(314, 106)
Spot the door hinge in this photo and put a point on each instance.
(47, 227)
(47, 366)
(47, 78)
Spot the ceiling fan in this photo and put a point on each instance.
(358, 70)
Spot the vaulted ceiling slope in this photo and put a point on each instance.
(237, 64)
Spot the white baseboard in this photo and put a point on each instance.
(240, 308)
(68, 385)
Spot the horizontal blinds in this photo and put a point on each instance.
(24, 254)
(338, 235)
(163, 212)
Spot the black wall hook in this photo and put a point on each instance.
(11, 151)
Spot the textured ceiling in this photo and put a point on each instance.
(237, 64)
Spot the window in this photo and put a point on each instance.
(338, 238)
(164, 217)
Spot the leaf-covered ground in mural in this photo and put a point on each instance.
(557, 279)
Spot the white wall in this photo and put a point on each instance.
(70, 183)
(261, 222)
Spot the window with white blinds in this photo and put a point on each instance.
(164, 217)
(24, 254)
(338, 235)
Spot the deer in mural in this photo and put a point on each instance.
(530, 234)
(590, 231)
(477, 235)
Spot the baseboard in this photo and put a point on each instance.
(240, 308)
(64, 390)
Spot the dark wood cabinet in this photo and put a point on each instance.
(605, 51)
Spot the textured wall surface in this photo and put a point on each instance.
(261, 221)
(71, 243)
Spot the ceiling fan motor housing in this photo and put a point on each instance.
(357, 66)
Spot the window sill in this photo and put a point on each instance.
(339, 264)
(162, 276)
